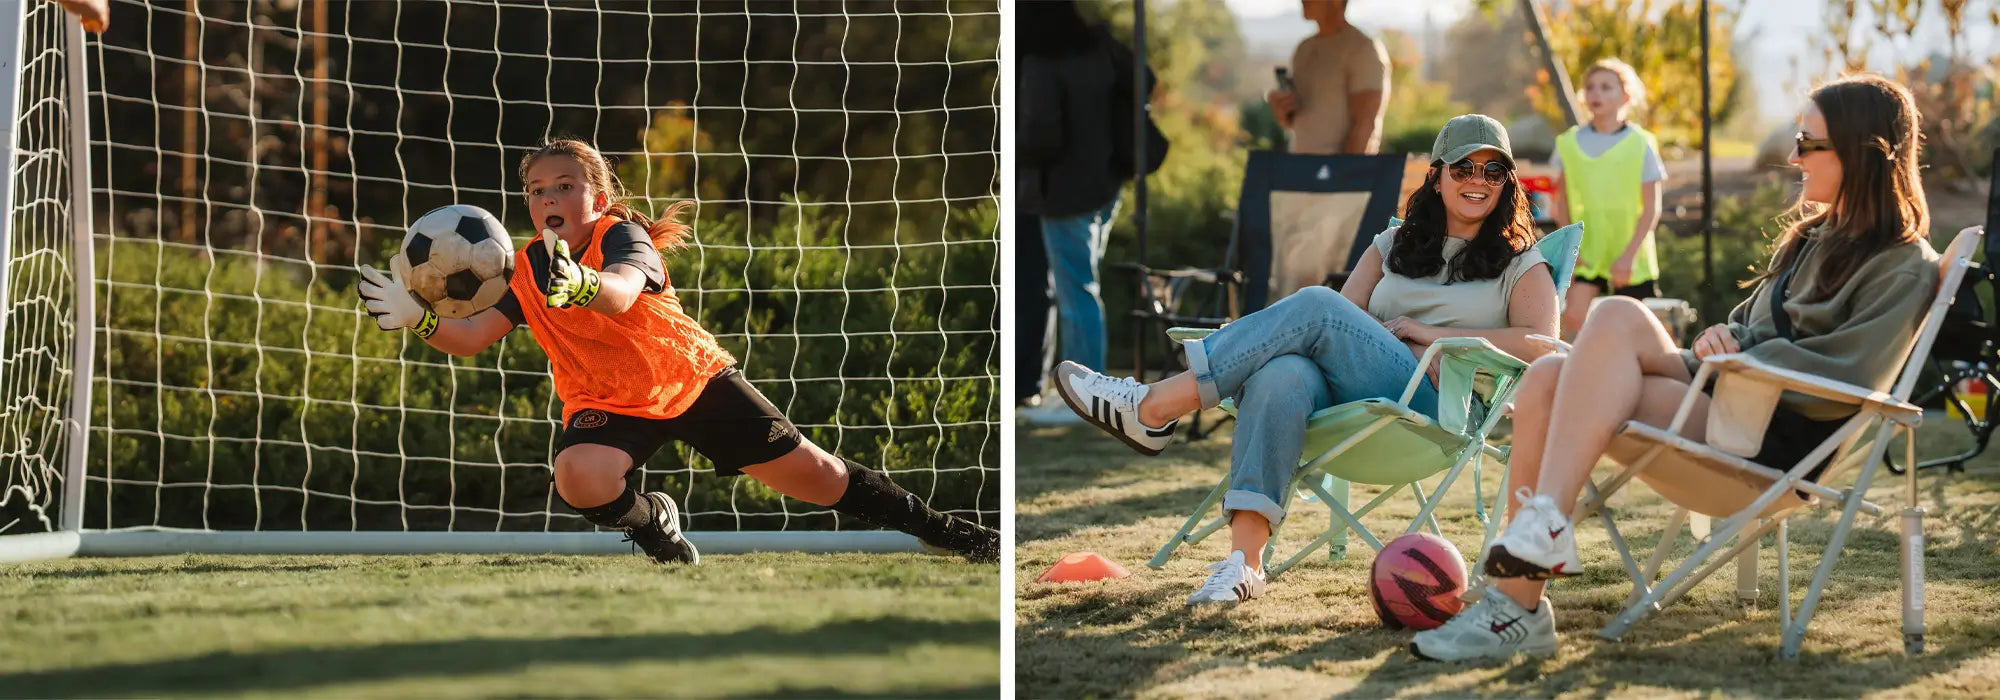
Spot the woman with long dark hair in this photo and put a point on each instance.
(1463, 263)
(1852, 275)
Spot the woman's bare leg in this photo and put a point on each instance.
(1600, 388)
(1624, 366)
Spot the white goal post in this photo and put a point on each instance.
(185, 368)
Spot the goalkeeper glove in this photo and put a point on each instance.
(391, 303)
(563, 282)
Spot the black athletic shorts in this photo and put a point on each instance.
(1790, 437)
(1641, 290)
(730, 424)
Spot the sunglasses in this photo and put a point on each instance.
(1495, 171)
(1808, 145)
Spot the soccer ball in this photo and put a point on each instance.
(460, 260)
(1415, 582)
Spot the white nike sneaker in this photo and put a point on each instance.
(1495, 627)
(1539, 544)
(1112, 403)
(1232, 581)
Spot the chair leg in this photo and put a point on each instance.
(1465, 455)
(1687, 575)
(1475, 584)
(1643, 577)
(1795, 633)
(1785, 572)
(1352, 521)
(1913, 553)
(1272, 571)
(1746, 535)
(1336, 533)
(1341, 490)
(1746, 575)
(1423, 501)
(1187, 530)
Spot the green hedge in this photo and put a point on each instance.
(243, 382)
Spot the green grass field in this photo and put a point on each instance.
(1315, 634)
(761, 625)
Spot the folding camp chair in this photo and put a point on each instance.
(1383, 442)
(1754, 499)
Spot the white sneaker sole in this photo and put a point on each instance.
(1529, 649)
(1501, 563)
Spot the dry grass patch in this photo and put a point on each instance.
(1315, 634)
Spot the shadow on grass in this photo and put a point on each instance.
(1088, 454)
(1052, 653)
(1062, 522)
(302, 669)
(200, 567)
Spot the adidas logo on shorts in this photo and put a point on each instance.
(777, 431)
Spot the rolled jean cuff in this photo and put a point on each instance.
(1237, 499)
(1204, 380)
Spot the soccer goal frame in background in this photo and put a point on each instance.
(852, 363)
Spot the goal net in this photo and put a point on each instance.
(244, 157)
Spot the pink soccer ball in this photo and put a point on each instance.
(1416, 580)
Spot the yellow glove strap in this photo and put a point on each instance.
(586, 288)
(428, 326)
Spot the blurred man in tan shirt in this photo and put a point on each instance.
(1341, 82)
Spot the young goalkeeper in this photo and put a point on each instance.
(634, 370)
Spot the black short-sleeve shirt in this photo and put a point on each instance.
(626, 243)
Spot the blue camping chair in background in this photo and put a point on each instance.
(1207, 297)
(1384, 442)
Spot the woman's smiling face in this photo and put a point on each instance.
(1467, 186)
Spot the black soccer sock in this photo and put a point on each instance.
(628, 511)
(873, 497)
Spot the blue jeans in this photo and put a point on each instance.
(1075, 245)
(1310, 351)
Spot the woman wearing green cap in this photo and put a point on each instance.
(1463, 263)
(1841, 298)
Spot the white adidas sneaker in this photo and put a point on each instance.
(1494, 628)
(1539, 544)
(1112, 403)
(1232, 581)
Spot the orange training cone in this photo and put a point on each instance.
(1083, 566)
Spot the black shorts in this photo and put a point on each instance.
(730, 424)
(1648, 288)
(1790, 437)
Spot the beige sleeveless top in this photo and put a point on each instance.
(1476, 305)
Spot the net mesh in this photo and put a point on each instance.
(843, 161)
(38, 331)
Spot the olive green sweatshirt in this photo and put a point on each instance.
(1861, 335)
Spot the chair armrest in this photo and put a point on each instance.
(1184, 333)
(1479, 353)
(1743, 366)
(1468, 369)
(1200, 274)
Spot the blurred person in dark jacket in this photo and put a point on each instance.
(1068, 173)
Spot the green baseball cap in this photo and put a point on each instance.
(1468, 133)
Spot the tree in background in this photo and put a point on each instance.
(1417, 108)
(1953, 86)
(1660, 38)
